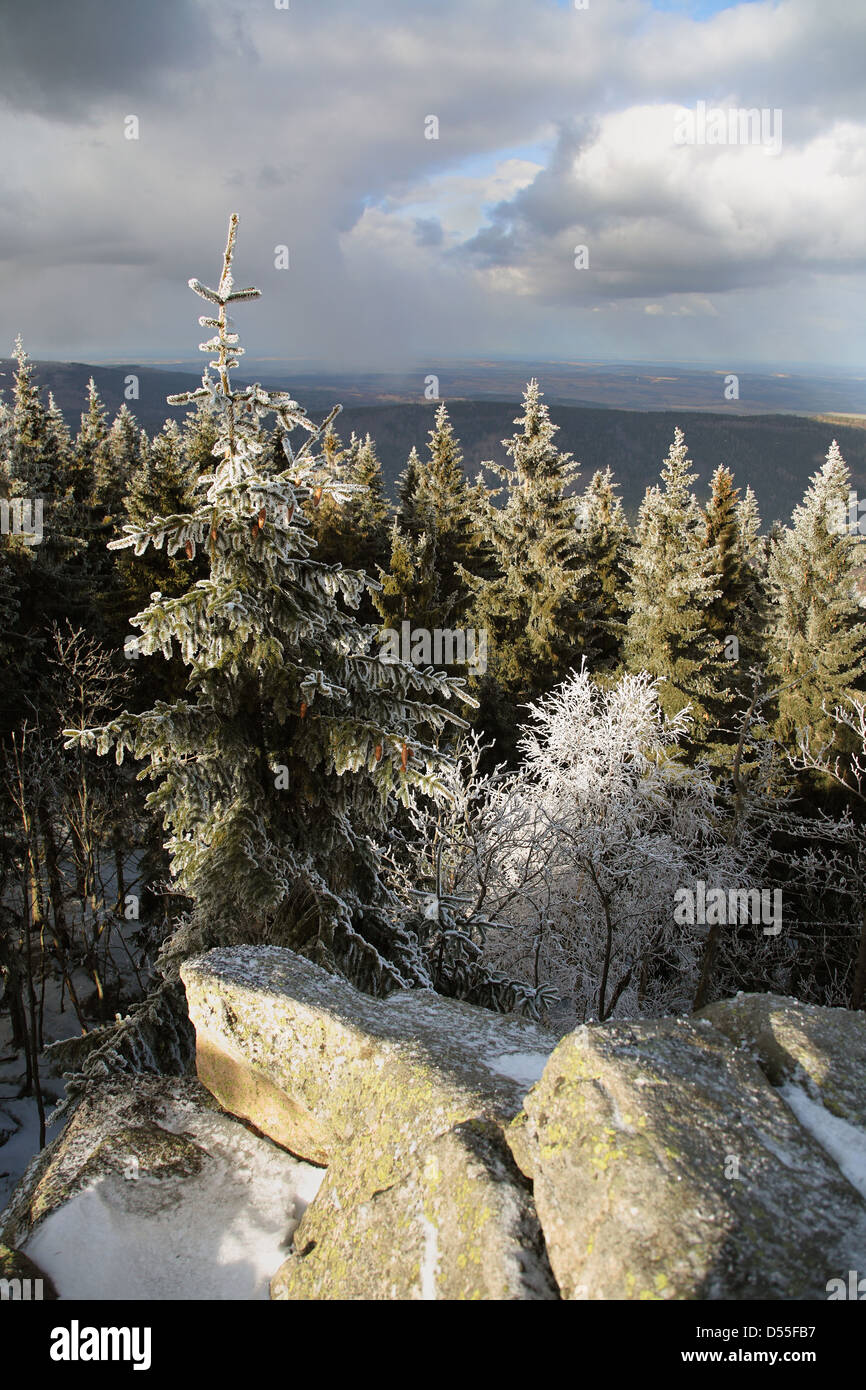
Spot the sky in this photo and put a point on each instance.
(556, 127)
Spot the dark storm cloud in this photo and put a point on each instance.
(62, 58)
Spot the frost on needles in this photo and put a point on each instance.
(295, 746)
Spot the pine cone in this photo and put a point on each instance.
(189, 550)
(404, 757)
(317, 496)
(262, 518)
(303, 708)
(378, 751)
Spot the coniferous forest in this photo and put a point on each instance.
(433, 638)
(206, 741)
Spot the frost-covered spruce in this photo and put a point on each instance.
(672, 588)
(295, 742)
(817, 630)
(537, 604)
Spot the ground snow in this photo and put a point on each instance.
(220, 1234)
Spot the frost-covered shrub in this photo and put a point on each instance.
(588, 843)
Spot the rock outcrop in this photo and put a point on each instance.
(669, 1158)
(115, 1129)
(151, 1191)
(458, 1224)
(665, 1165)
(470, 1155)
(316, 1064)
(390, 1093)
(824, 1049)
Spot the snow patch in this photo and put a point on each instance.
(844, 1142)
(525, 1067)
(429, 1261)
(220, 1234)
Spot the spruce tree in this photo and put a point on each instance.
(113, 458)
(603, 548)
(536, 606)
(727, 617)
(817, 634)
(409, 589)
(116, 466)
(754, 558)
(200, 431)
(407, 494)
(442, 507)
(367, 512)
(91, 455)
(44, 576)
(29, 461)
(672, 586)
(326, 520)
(60, 440)
(352, 529)
(282, 766)
(723, 540)
(66, 538)
(161, 486)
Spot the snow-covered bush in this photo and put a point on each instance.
(584, 848)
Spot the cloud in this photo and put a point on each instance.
(64, 59)
(428, 231)
(555, 129)
(661, 218)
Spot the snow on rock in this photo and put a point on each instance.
(844, 1142)
(822, 1049)
(525, 1067)
(152, 1193)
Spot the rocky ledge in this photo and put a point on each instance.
(461, 1154)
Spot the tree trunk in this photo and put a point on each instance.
(60, 933)
(707, 961)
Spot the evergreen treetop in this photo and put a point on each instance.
(535, 604)
(295, 741)
(817, 636)
(672, 588)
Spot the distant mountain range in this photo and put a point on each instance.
(775, 450)
(623, 385)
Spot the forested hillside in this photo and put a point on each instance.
(775, 454)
